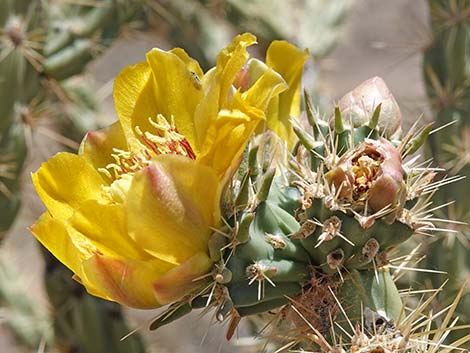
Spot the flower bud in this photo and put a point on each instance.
(358, 106)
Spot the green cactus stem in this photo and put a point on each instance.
(203, 27)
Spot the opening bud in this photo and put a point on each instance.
(370, 178)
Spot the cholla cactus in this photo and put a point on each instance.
(316, 25)
(29, 321)
(172, 207)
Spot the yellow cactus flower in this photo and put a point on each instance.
(216, 119)
(132, 213)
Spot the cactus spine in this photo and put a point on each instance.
(446, 67)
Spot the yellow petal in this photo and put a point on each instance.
(217, 84)
(97, 146)
(190, 63)
(230, 60)
(255, 69)
(105, 262)
(181, 280)
(134, 100)
(226, 139)
(268, 85)
(128, 282)
(177, 90)
(68, 246)
(171, 205)
(206, 111)
(288, 61)
(54, 235)
(64, 182)
(106, 226)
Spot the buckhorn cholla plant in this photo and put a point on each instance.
(177, 203)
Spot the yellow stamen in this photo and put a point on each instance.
(165, 140)
(364, 171)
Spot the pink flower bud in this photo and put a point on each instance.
(359, 104)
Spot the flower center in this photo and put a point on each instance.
(164, 140)
(125, 163)
(364, 170)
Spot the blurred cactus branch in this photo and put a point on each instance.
(29, 322)
(75, 40)
(318, 29)
(201, 26)
(446, 70)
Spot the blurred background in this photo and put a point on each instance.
(57, 64)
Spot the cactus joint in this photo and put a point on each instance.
(260, 272)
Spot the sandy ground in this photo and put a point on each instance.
(380, 38)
